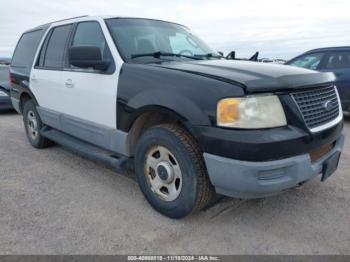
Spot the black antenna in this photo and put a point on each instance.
(254, 57)
(231, 55)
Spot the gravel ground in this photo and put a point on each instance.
(55, 202)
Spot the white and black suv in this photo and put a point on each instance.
(150, 96)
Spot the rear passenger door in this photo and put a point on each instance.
(46, 79)
(92, 93)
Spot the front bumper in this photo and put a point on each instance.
(245, 179)
(263, 144)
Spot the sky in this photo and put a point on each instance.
(275, 28)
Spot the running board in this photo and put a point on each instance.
(89, 151)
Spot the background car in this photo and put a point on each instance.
(265, 60)
(331, 59)
(5, 60)
(5, 100)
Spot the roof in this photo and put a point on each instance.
(335, 48)
(45, 26)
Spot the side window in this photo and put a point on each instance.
(26, 49)
(338, 60)
(90, 34)
(55, 51)
(309, 61)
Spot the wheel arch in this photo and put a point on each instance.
(153, 115)
(25, 96)
(172, 101)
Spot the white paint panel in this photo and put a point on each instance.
(92, 97)
(48, 89)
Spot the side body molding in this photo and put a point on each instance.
(107, 138)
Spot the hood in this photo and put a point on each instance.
(253, 76)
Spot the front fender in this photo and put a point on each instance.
(192, 97)
(178, 103)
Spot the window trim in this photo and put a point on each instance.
(43, 49)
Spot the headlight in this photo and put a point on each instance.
(251, 112)
(2, 93)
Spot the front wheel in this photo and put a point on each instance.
(171, 171)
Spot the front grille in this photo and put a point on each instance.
(318, 106)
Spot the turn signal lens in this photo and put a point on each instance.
(251, 112)
(228, 110)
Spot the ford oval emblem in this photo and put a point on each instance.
(328, 106)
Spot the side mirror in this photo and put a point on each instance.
(221, 53)
(86, 57)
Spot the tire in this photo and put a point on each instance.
(172, 145)
(33, 125)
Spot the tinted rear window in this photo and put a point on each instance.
(55, 52)
(338, 60)
(26, 48)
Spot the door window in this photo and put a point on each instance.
(90, 34)
(338, 60)
(309, 61)
(55, 51)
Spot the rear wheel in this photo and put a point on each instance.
(33, 125)
(171, 171)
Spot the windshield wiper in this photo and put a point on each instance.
(159, 54)
(209, 55)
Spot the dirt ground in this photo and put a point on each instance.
(55, 202)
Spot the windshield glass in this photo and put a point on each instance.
(135, 36)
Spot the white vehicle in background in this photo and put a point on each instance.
(279, 61)
(265, 60)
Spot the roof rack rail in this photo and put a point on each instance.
(65, 19)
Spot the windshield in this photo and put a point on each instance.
(135, 37)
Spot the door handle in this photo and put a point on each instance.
(69, 83)
(33, 78)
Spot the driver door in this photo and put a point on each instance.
(91, 94)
